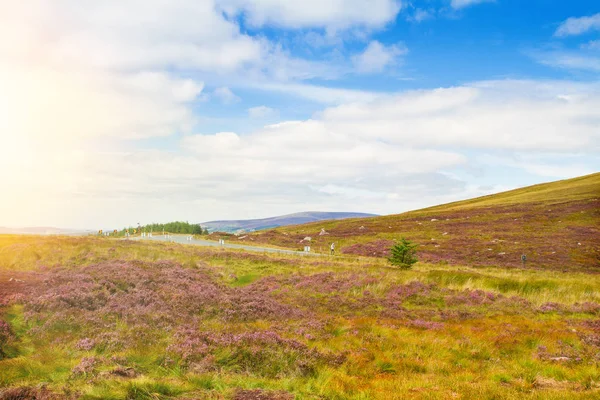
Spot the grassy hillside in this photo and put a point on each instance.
(101, 318)
(556, 225)
(569, 190)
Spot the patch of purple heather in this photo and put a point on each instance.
(586, 307)
(85, 366)
(145, 296)
(258, 351)
(5, 331)
(403, 292)
(428, 325)
(594, 325)
(251, 303)
(85, 344)
(551, 307)
(471, 298)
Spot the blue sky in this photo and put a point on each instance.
(486, 40)
(115, 113)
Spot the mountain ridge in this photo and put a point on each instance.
(252, 225)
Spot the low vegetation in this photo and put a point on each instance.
(403, 254)
(92, 318)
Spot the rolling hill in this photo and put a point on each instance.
(556, 225)
(250, 225)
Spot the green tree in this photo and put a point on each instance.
(171, 227)
(403, 254)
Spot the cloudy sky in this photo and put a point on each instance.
(116, 112)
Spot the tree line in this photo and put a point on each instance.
(170, 227)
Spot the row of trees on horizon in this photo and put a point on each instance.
(169, 227)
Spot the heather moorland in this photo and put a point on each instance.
(100, 318)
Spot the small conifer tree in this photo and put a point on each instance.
(403, 254)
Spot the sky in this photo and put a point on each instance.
(117, 112)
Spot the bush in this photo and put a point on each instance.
(403, 254)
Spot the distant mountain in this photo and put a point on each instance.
(39, 230)
(250, 225)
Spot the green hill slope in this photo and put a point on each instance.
(556, 225)
(582, 188)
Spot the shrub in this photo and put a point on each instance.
(403, 254)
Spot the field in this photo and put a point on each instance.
(98, 318)
(555, 225)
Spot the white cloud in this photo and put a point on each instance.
(261, 112)
(385, 152)
(420, 15)
(578, 26)
(57, 106)
(592, 45)
(380, 146)
(179, 33)
(579, 60)
(456, 4)
(541, 164)
(497, 114)
(383, 155)
(377, 57)
(225, 95)
(332, 15)
(70, 70)
(309, 153)
(281, 66)
(80, 82)
(174, 35)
